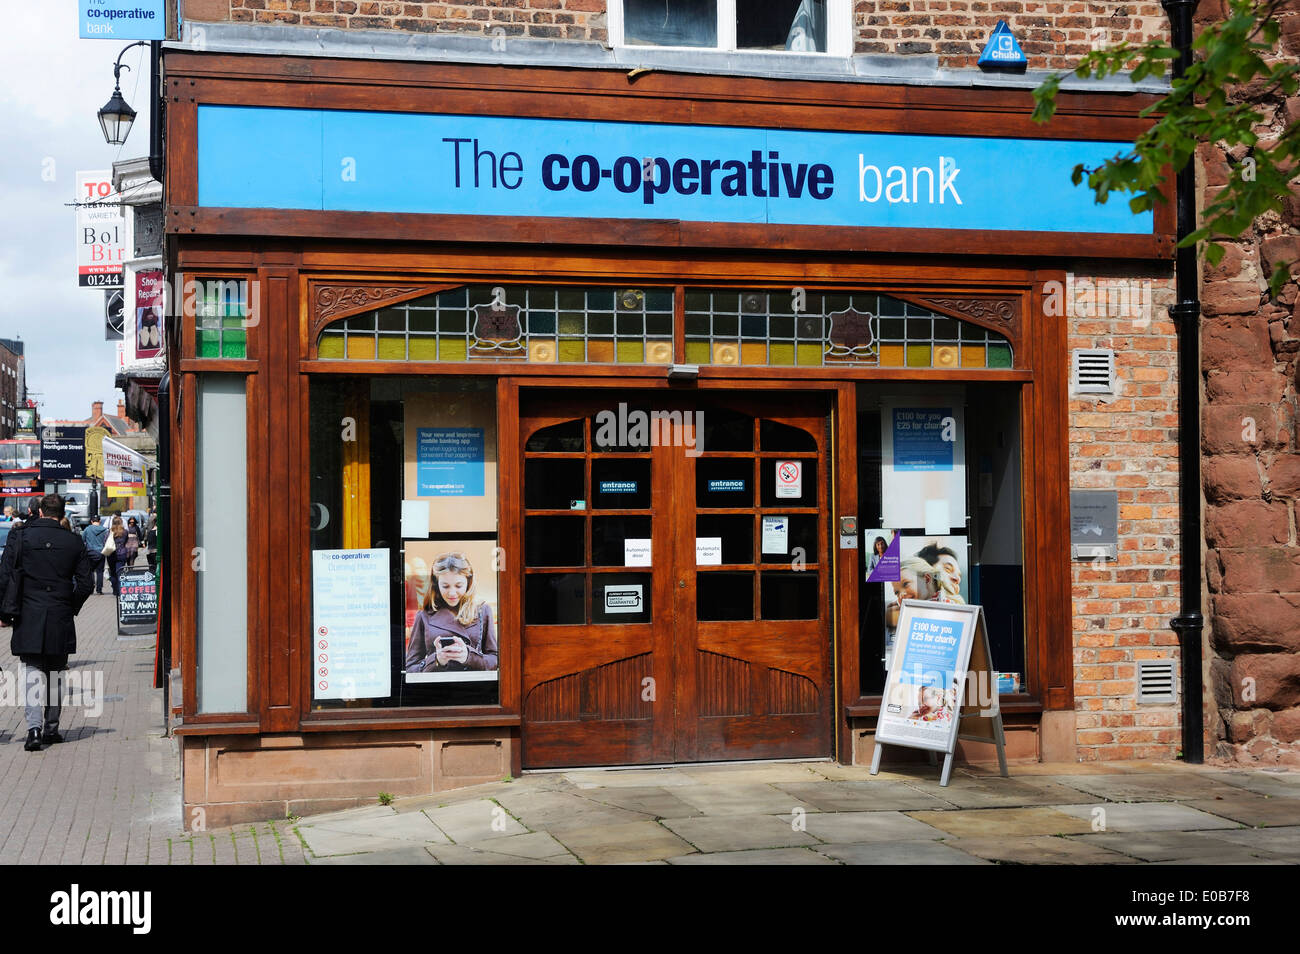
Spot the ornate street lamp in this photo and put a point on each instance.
(116, 116)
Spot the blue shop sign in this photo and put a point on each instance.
(336, 160)
(122, 19)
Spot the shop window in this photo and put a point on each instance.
(404, 541)
(810, 329)
(222, 316)
(221, 538)
(529, 324)
(792, 26)
(939, 498)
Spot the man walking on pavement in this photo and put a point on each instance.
(56, 584)
(95, 534)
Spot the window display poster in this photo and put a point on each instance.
(923, 690)
(923, 459)
(450, 447)
(352, 653)
(440, 627)
(929, 568)
(776, 535)
(883, 555)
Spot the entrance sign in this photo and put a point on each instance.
(789, 479)
(352, 646)
(122, 19)
(562, 168)
(101, 232)
(941, 685)
(137, 603)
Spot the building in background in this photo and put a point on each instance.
(13, 385)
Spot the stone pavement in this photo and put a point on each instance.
(111, 795)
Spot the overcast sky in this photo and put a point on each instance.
(53, 85)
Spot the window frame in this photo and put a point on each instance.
(839, 32)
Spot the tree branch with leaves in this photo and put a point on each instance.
(1235, 65)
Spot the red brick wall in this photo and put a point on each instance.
(1053, 33)
(1250, 347)
(1127, 443)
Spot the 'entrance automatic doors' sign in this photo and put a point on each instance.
(347, 160)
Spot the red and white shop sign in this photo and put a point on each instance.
(101, 232)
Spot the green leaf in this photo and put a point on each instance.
(1278, 279)
(1213, 254)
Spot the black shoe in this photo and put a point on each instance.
(33, 743)
(51, 737)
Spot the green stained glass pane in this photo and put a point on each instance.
(600, 299)
(697, 352)
(697, 301)
(541, 323)
(659, 326)
(571, 324)
(698, 326)
(572, 300)
(600, 325)
(424, 349)
(810, 354)
(391, 319)
(726, 326)
(726, 301)
(999, 356)
(453, 322)
(233, 345)
(451, 348)
(631, 325)
(209, 344)
(891, 306)
(782, 327)
(660, 300)
(423, 319)
(918, 356)
(331, 346)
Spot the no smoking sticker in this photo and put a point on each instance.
(789, 479)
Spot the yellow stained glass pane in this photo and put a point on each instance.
(972, 356)
(918, 356)
(781, 354)
(331, 346)
(753, 352)
(631, 352)
(659, 352)
(602, 352)
(945, 356)
(361, 349)
(725, 352)
(572, 350)
(424, 349)
(392, 347)
(697, 352)
(451, 348)
(891, 356)
(811, 354)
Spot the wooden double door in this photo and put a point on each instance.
(676, 577)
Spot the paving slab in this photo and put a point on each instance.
(473, 822)
(1002, 792)
(635, 841)
(1167, 845)
(1148, 787)
(754, 773)
(742, 798)
(1040, 849)
(1011, 822)
(899, 853)
(410, 826)
(533, 844)
(324, 842)
(470, 855)
(760, 856)
(626, 778)
(1283, 784)
(1282, 841)
(350, 815)
(859, 796)
(849, 827)
(561, 811)
(739, 832)
(473, 793)
(1255, 811)
(1146, 816)
(411, 854)
(651, 802)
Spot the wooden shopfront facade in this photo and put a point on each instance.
(448, 309)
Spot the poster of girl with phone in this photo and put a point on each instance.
(454, 631)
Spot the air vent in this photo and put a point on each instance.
(1094, 371)
(1156, 680)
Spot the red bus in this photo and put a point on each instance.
(20, 470)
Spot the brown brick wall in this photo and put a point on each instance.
(1250, 350)
(1053, 33)
(1129, 444)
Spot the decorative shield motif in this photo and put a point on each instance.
(497, 332)
(851, 337)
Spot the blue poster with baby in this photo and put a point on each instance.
(449, 461)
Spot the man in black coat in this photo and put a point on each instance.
(57, 581)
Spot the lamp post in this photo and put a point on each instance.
(116, 116)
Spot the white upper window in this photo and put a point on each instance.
(787, 26)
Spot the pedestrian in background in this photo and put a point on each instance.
(95, 535)
(117, 557)
(151, 543)
(55, 585)
(132, 540)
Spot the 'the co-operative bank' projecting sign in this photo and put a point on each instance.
(122, 20)
(337, 160)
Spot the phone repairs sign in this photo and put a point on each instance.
(122, 19)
